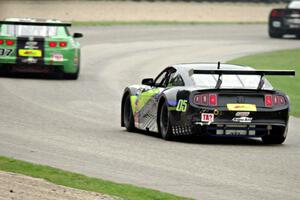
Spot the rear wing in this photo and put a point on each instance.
(38, 23)
(260, 73)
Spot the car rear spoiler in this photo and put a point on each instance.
(35, 23)
(260, 73)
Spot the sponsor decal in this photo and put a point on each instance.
(30, 60)
(31, 45)
(182, 105)
(242, 119)
(276, 24)
(242, 114)
(57, 57)
(207, 117)
(30, 53)
(241, 107)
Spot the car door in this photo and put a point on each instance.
(147, 101)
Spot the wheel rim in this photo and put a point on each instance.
(127, 112)
(164, 120)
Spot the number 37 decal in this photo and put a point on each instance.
(6, 52)
(182, 105)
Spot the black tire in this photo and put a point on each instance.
(4, 71)
(71, 76)
(274, 34)
(277, 136)
(164, 125)
(128, 118)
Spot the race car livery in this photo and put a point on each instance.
(217, 100)
(285, 21)
(38, 46)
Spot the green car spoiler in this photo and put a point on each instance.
(261, 73)
(35, 23)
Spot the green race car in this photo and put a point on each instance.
(38, 46)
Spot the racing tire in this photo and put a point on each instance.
(274, 34)
(165, 127)
(277, 136)
(72, 76)
(128, 117)
(4, 71)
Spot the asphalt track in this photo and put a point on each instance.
(75, 125)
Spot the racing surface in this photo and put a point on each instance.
(75, 125)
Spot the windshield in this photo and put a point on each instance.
(25, 30)
(229, 81)
(294, 5)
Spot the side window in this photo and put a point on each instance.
(176, 81)
(160, 80)
(163, 79)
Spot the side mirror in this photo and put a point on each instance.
(77, 35)
(148, 81)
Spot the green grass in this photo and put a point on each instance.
(285, 59)
(116, 23)
(74, 180)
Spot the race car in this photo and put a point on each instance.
(210, 100)
(38, 46)
(285, 21)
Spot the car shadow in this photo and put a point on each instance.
(209, 140)
(51, 76)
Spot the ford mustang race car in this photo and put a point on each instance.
(218, 100)
(285, 21)
(38, 46)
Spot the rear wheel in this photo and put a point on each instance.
(128, 115)
(4, 71)
(165, 127)
(72, 76)
(277, 136)
(274, 34)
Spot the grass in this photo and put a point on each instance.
(74, 180)
(151, 22)
(285, 59)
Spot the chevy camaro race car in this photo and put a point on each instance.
(38, 46)
(218, 100)
(285, 21)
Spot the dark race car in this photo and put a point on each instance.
(285, 21)
(218, 100)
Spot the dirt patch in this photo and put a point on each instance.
(137, 11)
(20, 187)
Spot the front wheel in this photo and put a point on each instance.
(165, 127)
(128, 115)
